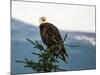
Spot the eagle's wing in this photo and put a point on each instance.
(54, 32)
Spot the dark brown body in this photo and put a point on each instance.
(51, 36)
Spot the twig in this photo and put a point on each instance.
(30, 41)
(65, 37)
(35, 53)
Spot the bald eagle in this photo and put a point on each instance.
(51, 37)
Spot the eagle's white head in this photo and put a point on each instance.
(42, 20)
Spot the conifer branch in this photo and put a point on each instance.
(47, 62)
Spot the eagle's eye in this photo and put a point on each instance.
(43, 19)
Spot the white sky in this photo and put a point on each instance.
(65, 17)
